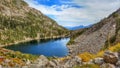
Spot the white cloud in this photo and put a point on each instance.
(91, 12)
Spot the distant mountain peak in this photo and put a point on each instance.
(77, 27)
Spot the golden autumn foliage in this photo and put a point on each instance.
(64, 58)
(86, 56)
(88, 66)
(100, 53)
(115, 48)
(17, 60)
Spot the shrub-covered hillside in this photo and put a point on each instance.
(19, 22)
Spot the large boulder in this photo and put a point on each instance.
(24, 66)
(118, 63)
(73, 61)
(52, 64)
(41, 62)
(98, 61)
(110, 57)
(107, 65)
(36, 66)
(0, 66)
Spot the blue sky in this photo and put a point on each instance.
(75, 12)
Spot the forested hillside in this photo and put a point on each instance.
(19, 22)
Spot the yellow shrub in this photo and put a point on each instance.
(115, 48)
(64, 58)
(18, 61)
(100, 53)
(61, 59)
(86, 56)
(88, 66)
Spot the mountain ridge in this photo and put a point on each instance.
(19, 23)
(77, 27)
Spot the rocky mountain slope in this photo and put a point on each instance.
(97, 37)
(19, 23)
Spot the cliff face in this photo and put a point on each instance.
(19, 22)
(100, 35)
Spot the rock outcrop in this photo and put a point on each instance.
(110, 57)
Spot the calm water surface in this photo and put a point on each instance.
(55, 47)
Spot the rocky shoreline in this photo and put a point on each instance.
(109, 60)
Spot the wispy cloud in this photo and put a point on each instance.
(76, 12)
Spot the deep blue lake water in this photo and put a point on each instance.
(54, 47)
